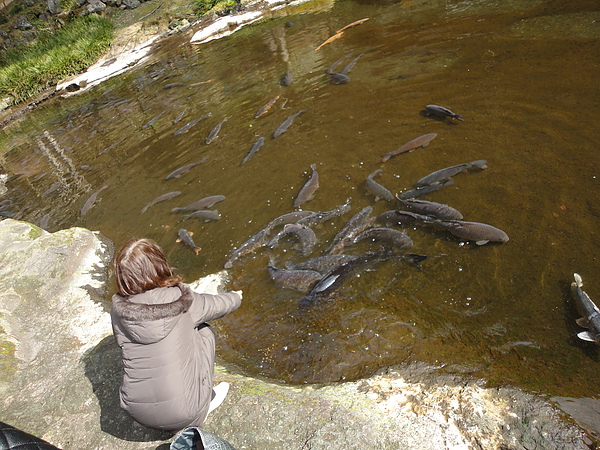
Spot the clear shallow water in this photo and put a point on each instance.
(522, 74)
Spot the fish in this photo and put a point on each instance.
(286, 124)
(213, 134)
(339, 78)
(262, 237)
(255, 147)
(178, 172)
(332, 67)
(353, 24)
(590, 313)
(437, 210)
(262, 111)
(90, 201)
(481, 233)
(187, 126)
(185, 236)
(299, 280)
(287, 79)
(399, 217)
(330, 39)
(377, 189)
(442, 111)
(179, 116)
(448, 172)
(421, 141)
(333, 280)
(351, 64)
(423, 190)
(161, 198)
(151, 121)
(387, 236)
(208, 215)
(320, 217)
(305, 235)
(322, 264)
(204, 203)
(308, 190)
(353, 227)
(45, 221)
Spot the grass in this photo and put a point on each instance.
(70, 50)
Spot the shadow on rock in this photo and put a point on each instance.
(104, 369)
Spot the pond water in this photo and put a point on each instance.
(524, 76)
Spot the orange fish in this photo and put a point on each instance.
(353, 24)
(331, 39)
(265, 108)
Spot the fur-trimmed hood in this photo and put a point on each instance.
(150, 316)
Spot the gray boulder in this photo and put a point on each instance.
(61, 373)
(131, 4)
(23, 24)
(53, 7)
(95, 6)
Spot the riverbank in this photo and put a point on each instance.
(62, 369)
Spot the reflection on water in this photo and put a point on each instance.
(527, 89)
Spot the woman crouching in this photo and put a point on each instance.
(168, 349)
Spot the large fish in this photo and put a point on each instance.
(308, 190)
(389, 237)
(187, 126)
(437, 210)
(320, 217)
(286, 124)
(355, 225)
(90, 201)
(208, 215)
(255, 147)
(184, 169)
(421, 141)
(442, 111)
(215, 131)
(300, 280)
(262, 237)
(161, 198)
(186, 237)
(423, 190)
(588, 309)
(449, 172)
(304, 234)
(377, 189)
(333, 280)
(481, 233)
(262, 111)
(204, 203)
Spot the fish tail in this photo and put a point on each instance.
(578, 280)
(458, 117)
(197, 250)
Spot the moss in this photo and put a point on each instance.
(8, 361)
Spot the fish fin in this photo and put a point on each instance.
(385, 157)
(191, 233)
(586, 336)
(482, 242)
(178, 240)
(458, 117)
(425, 144)
(583, 322)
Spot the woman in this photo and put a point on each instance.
(168, 349)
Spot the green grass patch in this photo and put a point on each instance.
(53, 57)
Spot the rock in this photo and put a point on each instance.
(53, 7)
(131, 4)
(23, 24)
(61, 374)
(95, 6)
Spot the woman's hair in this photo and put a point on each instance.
(141, 265)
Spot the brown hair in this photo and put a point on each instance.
(141, 265)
